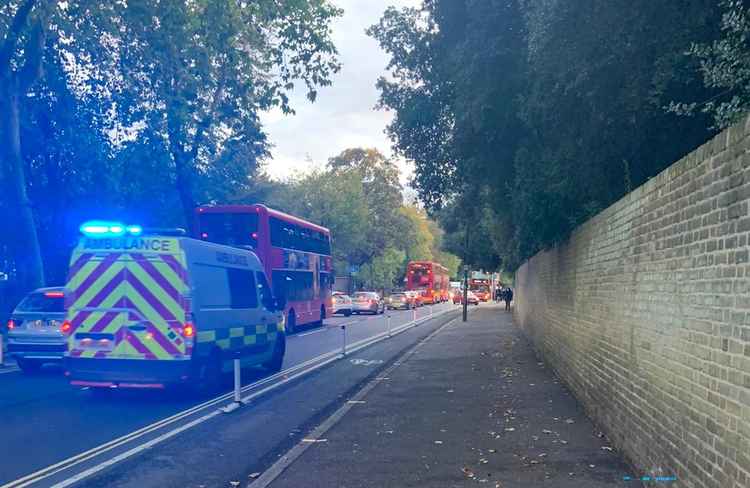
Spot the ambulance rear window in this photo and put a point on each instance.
(39, 302)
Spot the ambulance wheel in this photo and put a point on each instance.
(277, 360)
(291, 323)
(29, 366)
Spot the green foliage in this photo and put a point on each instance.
(525, 118)
(384, 270)
(139, 110)
(358, 196)
(725, 66)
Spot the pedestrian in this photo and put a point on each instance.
(498, 294)
(508, 298)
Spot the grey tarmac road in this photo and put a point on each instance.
(46, 422)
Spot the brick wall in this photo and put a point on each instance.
(645, 313)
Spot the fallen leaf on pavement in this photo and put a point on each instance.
(607, 448)
(492, 450)
(546, 431)
(438, 442)
(254, 475)
(563, 442)
(483, 461)
(510, 429)
(469, 473)
(234, 483)
(569, 421)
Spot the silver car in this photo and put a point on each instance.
(34, 335)
(367, 301)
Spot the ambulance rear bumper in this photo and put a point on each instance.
(126, 373)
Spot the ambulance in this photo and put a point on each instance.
(151, 311)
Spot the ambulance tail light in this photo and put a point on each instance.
(188, 330)
(66, 327)
(11, 324)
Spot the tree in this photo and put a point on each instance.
(197, 74)
(725, 68)
(384, 271)
(20, 68)
(382, 194)
(524, 118)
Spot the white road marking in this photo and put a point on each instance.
(298, 369)
(10, 369)
(311, 332)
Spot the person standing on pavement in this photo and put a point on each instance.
(508, 298)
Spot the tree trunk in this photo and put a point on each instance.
(25, 241)
(185, 192)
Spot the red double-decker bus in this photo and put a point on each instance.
(295, 253)
(430, 279)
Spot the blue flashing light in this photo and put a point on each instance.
(99, 228)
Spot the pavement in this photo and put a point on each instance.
(470, 404)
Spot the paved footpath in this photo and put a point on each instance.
(470, 406)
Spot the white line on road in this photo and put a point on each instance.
(10, 369)
(311, 332)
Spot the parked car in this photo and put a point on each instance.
(471, 298)
(342, 303)
(400, 301)
(368, 301)
(34, 335)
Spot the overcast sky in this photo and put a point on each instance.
(343, 115)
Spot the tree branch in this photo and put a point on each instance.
(9, 44)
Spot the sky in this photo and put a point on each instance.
(344, 114)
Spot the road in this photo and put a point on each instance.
(45, 421)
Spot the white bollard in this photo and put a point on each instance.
(237, 403)
(431, 309)
(388, 321)
(237, 380)
(343, 338)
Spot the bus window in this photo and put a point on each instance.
(294, 285)
(232, 229)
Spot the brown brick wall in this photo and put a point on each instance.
(644, 313)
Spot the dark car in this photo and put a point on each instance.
(34, 335)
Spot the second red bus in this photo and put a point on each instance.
(430, 279)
